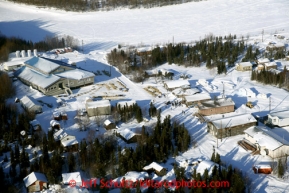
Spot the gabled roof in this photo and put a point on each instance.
(218, 103)
(70, 142)
(197, 97)
(28, 102)
(95, 104)
(36, 77)
(154, 166)
(267, 137)
(228, 122)
(107, 122)
(59, 135)
(177, 83)
(42, 64)
(67, 177)
(127, 134)
(33, 177)
(245, 64)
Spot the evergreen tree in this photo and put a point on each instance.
(71, 162)
(281, 170)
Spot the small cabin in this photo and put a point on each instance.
(264, 169)
(109, 125)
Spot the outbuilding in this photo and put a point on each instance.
(96, 108)
(31, 104)
(109, 125)
(244, 66)
(280, 118)
(35, 182)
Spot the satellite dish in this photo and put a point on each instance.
(23, 132)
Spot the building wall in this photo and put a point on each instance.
(270, 67)
(37, 186)
(244, 68)
(189, 103)
(217, 110)
(98, 111)
(277, 121)
(227, 132)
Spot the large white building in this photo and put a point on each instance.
(280, 118)
(96, 108)
(271, 142)
(53, 77)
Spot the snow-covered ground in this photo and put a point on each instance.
(184, 22)
(101, 31)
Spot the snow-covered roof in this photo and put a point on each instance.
(95, 104)
(267, 137)
(263, 60)
(36, 77)
(245, 64)
(133, 176)
(107, 122)
(218, 103)
(124, 103)
(177, 83)
(56, 114)
(206, 164)
(34, 122)
(53, 123)
(59, 134)
(197, 97)
(70, 142)
(262, 166)
(33, 177)
(154, 166)
(274, 71)
(13, 63)
(76, 74)
(180, 91)
(67, 177)
(28, 102)
(280, 114)
(127, 134)
(270, 64)
(232, 121)
(246, 92)
(40, 63)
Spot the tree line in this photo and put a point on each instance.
(12, 44)
(100, 5)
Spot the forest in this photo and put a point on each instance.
(100, 5)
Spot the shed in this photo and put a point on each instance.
(265, 169)
(280, 118)
(128, 136)
(31, 104)
(158, 169)
(244, 66)
(109, 125)
(96, 108)
(35, 125)
(74, 177)
(69, 143)
(173, 84)
(54, 124)
(35, 182)
(56, 116)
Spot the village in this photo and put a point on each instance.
(78, 99)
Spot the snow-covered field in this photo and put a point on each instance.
(101, 31)
(185, 22)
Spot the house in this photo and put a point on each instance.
(155, 167)
(194, 99)
(96, 108)
(226, 126)
(280, 118)
(72, 178)
(35, 182)
(30, 104)
(63, 115)
(69, 143)
(264, 169)
(246, 92)
(54, 124)
(244, 66)
(128, 136)
(35, 125)
(53, 77)
(270, 65)
(275, 46)
(109, 125)
(173, 84)
(217, 106)
(56, 116)
(262, 61)
(271, 142)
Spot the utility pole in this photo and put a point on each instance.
(223, 90)
(269, 104)
(262, 34)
